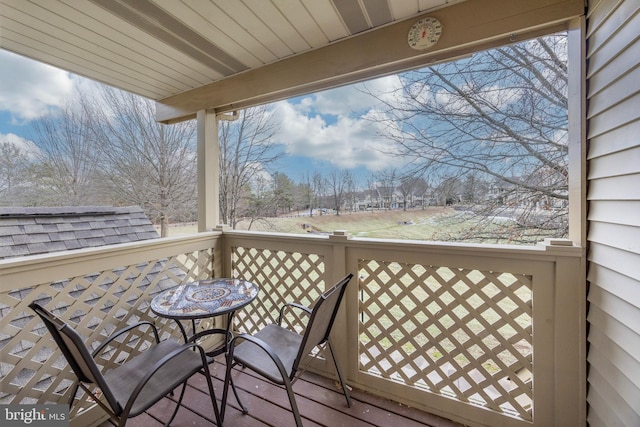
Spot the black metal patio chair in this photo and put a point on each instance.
(134, 386)
(276, 352)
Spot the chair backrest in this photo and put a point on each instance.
(322, 317)
(76, 352)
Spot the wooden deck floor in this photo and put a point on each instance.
(319, 401)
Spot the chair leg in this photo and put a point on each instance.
(229, 380)
(342, 383)
(216, 412)
(113, 419)
(245, 410)
(225, 391)
(73, 394)
(175, 411)
(292, 400)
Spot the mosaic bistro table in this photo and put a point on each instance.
(205, 299)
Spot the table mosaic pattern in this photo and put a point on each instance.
(205, 298)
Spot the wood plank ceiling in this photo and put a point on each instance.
(242, 52)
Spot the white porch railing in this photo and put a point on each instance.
(485, 335)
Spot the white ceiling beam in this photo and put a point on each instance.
(467, 27)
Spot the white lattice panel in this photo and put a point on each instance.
(461, 333)
(282, 277)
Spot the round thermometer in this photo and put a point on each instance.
(424, 33)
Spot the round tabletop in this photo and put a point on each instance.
(204, 298)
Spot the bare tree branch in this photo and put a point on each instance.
(500, 117)
(144, 162)
(66, 161)
(246, 153)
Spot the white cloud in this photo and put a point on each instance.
(29, 89)
(348, 100)
(28, 147)
(346, 142)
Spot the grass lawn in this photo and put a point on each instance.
(422, 224)
(432, 223)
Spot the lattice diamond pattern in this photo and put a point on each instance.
(282, 277)
(462, 333)
(33, 369)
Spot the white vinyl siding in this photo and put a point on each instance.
(613, 49)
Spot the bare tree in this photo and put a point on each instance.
(144, 162)
(387, 181)
(407, 188)
(337, 183)
(374, 195)
(14, 171)
(450, 191)
(351, 192)
(67, 163)
(318, 187)
(474, 189)
(246, 152)
(501, 115)
(312, 188)
(421, 190)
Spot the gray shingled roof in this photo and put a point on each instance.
(39, 230)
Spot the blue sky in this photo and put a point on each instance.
(331, 129)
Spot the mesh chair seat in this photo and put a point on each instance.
(123, 379)
(285, 344)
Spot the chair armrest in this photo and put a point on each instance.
(264, 347)
(119, 332)
(292, 305)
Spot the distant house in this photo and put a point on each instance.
(40, 230)
(514, 193)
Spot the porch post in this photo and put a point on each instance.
(572, 381)
(208, 171)
(577, 112)
(209, 197)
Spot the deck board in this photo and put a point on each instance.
(319, 399)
